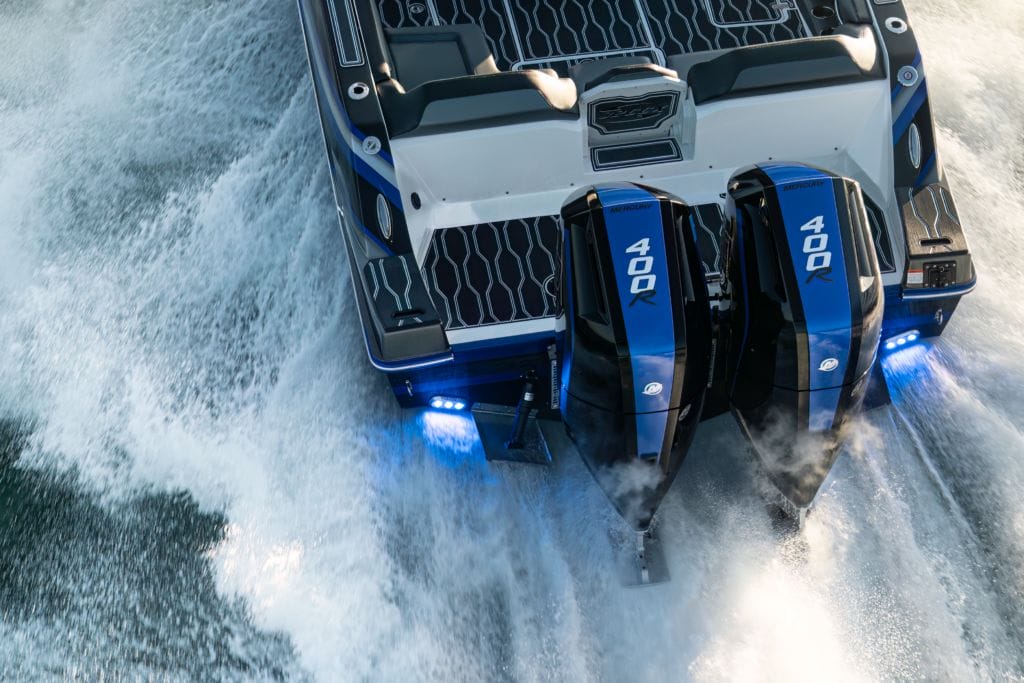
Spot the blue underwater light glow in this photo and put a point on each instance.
(451, 435)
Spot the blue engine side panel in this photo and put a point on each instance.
(637, 242)
(808, 203)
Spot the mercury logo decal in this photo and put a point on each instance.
(829, 365)
(653, 389)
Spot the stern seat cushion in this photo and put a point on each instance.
(430, 53)
(443, 78)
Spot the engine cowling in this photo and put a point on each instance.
(805, 318)
(638, 339)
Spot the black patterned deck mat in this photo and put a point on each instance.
(494, 273)
(556, 33)
(747, 11)
(687, 26)
(550, 29)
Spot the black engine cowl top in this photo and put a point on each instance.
(638, 340)
(805, 315)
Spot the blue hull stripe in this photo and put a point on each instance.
(807, 195)
(637, 241)
(926, 170)
(377, 180)
(376, 240)
(902, 124)
(570, 317)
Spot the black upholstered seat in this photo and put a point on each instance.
(591, 74)
(849, 55)
(433, 79)
(477, 102)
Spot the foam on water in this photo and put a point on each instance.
(175, 316)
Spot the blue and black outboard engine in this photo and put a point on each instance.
(805, 319)
(638, 341)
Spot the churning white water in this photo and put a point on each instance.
(203, 478)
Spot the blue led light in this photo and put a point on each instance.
(901, 340)
(447, 403)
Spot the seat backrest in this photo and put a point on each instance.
(482, 101)
(849, 55)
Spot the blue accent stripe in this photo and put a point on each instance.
(570, 317)
(926, 169)
(358, 164)
(359, 134)
(356, 132)
(637, 241)
(377, 180)
(902, 123)
(376, 240)
(404, 366)
(806, 196)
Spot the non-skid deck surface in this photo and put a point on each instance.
(495, 273)
(559, 33)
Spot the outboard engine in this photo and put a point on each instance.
(638, 340)
(806, 314)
